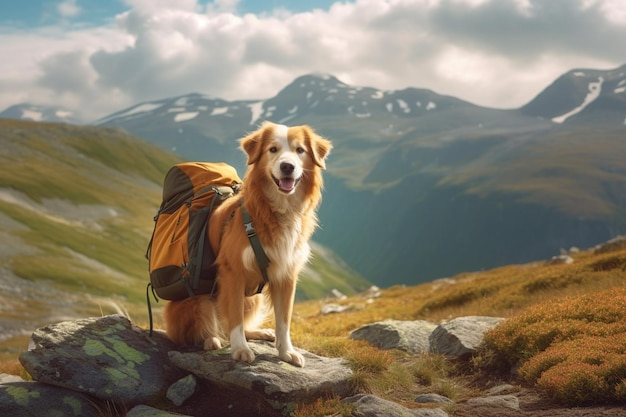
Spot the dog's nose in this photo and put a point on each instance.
(286, 168)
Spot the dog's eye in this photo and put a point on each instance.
(300, 150)
(273, 149)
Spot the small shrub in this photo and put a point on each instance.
(324, 408)
(574, 349)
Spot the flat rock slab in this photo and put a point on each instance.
(281, 384)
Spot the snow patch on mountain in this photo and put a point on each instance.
(183, 117)
(257, 111)
(595, 88)
(133, 111)
(219, 110)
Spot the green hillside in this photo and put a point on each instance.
(76, 208)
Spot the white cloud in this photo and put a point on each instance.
(68, 8)
(498, 53)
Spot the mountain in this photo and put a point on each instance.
(76, 214)
(420, 185)
(583, 96)
(36, 113)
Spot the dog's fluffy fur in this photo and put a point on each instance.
(281, 191)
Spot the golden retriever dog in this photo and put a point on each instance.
(281, 191)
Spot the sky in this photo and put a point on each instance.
(96, 57)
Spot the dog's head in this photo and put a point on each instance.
(286, 155)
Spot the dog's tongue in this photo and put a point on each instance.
(286, 184)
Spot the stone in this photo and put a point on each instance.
(502, 389)
(27, 399)
(105, 357)
(560, 260)
(615, 244)
(432, 398)
(498, 401)
(459, 338)
(410, 336)
(280, 384)
(372, 406)
(181, 390)
(146, 411)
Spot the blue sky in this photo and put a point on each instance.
(34, 13)
(95, 57)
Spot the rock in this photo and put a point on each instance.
(410, 336)
(27, 399)
(106, 357)
(432, 398)
(338, 294)
(334, 308)
(460, 337)
(146, 411)
(560, 260)
(371, 406)
(181, 390)
(617, 243)
(502, 389)
(371, 292)
(280, 384)
(498, 401)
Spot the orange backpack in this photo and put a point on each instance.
(179, 254)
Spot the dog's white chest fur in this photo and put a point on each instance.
(287, 253)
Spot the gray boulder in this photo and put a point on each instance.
(280, 384)
(410, 336)
(459, 338)
(106, 357)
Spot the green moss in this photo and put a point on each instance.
(21, 395)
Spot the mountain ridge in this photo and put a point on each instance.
(408, 164)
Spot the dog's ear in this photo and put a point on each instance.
(252, 144)
(320, 147)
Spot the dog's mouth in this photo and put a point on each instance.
(286, 184)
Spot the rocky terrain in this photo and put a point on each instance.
(109, 366)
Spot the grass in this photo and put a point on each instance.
(565, 331)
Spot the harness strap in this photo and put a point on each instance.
(261, 257)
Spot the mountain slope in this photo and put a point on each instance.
(583, 96)
(420, 185)
(76, 209)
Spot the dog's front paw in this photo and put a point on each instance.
(292, 357)
(243, 355)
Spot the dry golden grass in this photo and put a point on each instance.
(514, 292)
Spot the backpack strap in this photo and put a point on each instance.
(206, 212)
(261, 257)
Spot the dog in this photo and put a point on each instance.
(282, 189)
